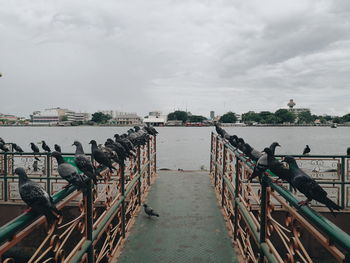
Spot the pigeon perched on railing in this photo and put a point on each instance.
(57, 148)
(3, 147)
(100, 156)
(69, 172)
(251, 152)
(151, 130)
(84, 163)
(308, 186)
(36, 197)
(35, 150)
(306, 150)
(45, 147)
(262, 164)
(16, 148)
(149, 211)
(273, 147)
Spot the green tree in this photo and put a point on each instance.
(337, 120)
(305, 117)
(64, 118)
(196, 118)
(284, 115)
(251, 116)
(346, 118)
(178, 116)
(100, 117)
(267, 117)
(229, 117)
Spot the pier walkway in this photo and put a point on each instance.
(190, 227)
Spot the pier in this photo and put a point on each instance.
(205, 216)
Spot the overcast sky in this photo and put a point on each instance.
(163, 55)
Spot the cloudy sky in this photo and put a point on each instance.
(137, 55)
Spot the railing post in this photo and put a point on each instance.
(211, 152)
(222, 177)
(216, 160)
(149, 161)
(89, 219)
(235, 229)
(155, 154)
(48, 173)
(263, 204)
(122, 178)
(139, 173)
(5, 177)
(343, 182)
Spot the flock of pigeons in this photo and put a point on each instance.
(113, 151)
(296, 177)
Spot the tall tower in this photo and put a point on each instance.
(212, 115)
(291, 104)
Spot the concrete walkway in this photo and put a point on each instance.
(190, 228)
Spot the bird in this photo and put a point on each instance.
(306, 150)
(127, 144)
(2, 140)
(149, 211)
(151, 130)
(35, 149)
(45, 147)
(308, 186)
(251, 152)
(348, 151)
(240, 144)
(262, 164)
(233, 140)
(36, 197)
(3, 147)
(273, 147)
(100, 156)
(69, 172)
(84, 163)
(57, 148)
(17, 148)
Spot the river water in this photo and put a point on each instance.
(188, 148)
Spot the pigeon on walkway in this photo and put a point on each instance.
(69, 172)
(149, 211)
(306, 150)
(84, 163)
(57, 148)
(262, 164)
(273, 147)
(16, 148)
(36, 197)
(308, 186)
(100, 156)
(45, 147)
(35, 149)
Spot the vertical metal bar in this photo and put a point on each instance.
(5, 177)
(149, 161)
(222, 177)
(140, 180)
(343, 182)
(263, 204)
(48, 173)
(155, 154)
(122, 178)
(235, 229)
(211, 152)
(216, 160)
(89, 219)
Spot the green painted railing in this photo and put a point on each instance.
(258, 232)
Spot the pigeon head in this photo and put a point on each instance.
(289, 160)
(137, 128)
(21, 172)
(145, 205)
(240, 140)
(235, 137)
(76, 143)
(268, 151)
(116, 136)
(32, 143)
(276, 144)
(56, 154)
(93, 142)
(109, 140)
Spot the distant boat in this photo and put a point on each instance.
(334, 125)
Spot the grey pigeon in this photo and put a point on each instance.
(69, 172)
(3, 147)
(83, 162)
(36, 197)
(306, 150)
(149, 211)
(100, 156)
(45, 147)
(57, 148)
(35, 149)
(262, 164)
(17, 148)
(308, 186)
(273, 147)
(251, 152)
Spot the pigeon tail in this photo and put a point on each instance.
(331, 205)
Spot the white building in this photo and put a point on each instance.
(54, 116)
(155, 118)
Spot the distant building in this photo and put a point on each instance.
(212, 115)
(126, 118)
(155, 118)
(296, 111)
(8, 117)
(54, 116)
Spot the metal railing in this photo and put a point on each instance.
(98, 219)
(266, 221)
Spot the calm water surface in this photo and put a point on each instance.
(188, 147)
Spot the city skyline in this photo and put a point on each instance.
(141, 56)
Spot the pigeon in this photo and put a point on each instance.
(17, 148)
(45, 147)
(262, 164)
(2, 140)
(127, 144)
(308, 186)
(3, 147)
(84, 163)
(348, 151)
(240, 144)
(233, 140)
(306, 150)
(100, 156)
(118, 148)
(57, 148)
(273, 147)
(149, 211)
(151, 130)
(35, 149)
(251, 152)
(69, 172)
(36, 197)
